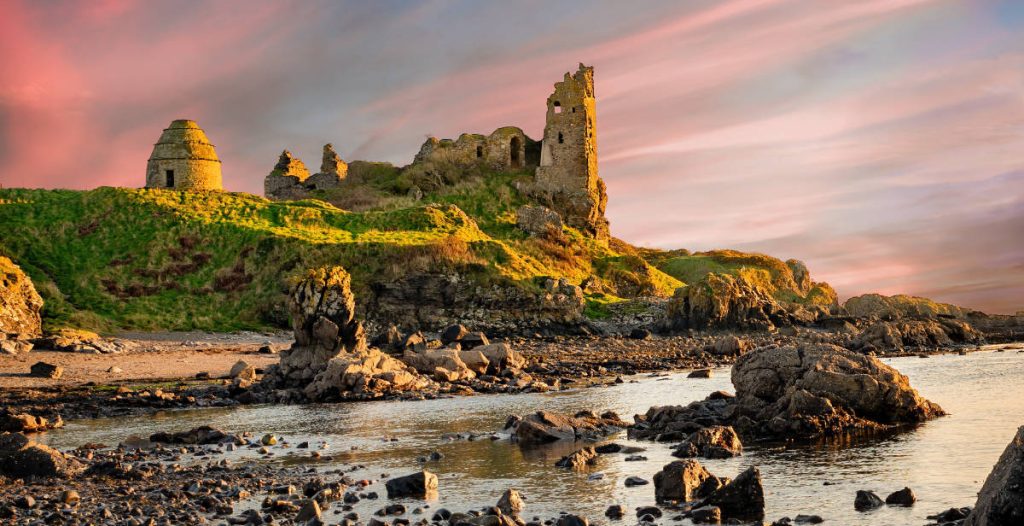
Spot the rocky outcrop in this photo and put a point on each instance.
(436, 299)
(330, 358)
(22, 457)
(538, 220)
(544, 426)
(20, 304)
(821, 389)
(322, 309)
(796, 391)
(1001, 500)
(900, 306)
(721, 301)
(27, 422)
(922, 333)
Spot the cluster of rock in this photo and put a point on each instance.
(20, 307)
(330, 356)
(544, 427)
(709, 496)
(290, 178)
(797, 391)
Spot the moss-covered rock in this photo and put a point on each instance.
(20, 304)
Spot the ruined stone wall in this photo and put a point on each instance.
(504, 149)
(567, 176)
(184, 149)
(290, 179)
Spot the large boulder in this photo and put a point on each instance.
(417, 485)
(20, 304)
(815, 389)
(710, 442)
(22, 457)
(538, 220)
(681, 481)
(545, 426)
(1001, 500)
(742, 498)
(502, 356)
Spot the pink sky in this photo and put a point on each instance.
(882, 142)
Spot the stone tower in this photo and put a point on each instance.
(567, 175)
(184, 159)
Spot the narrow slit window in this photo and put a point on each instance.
(170, 178)
(479, 152)
(561, 139)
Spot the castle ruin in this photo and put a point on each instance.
(564, 162)
(567, 176)
(290, 178)
(184, 159)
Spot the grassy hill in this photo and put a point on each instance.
(116, 258)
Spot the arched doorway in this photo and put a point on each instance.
(515, 148)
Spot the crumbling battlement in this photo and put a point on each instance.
(565, 161)
(567, 177)
(507, 148)
(290, 178)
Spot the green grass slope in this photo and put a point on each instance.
(147, 259)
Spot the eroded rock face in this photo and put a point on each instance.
(724, 301)
(330, 358)
(821, 389)
(538, 220)
(20, 304)
(323, 319)
(889, 335)
(1001, 500)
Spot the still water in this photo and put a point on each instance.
(944, 461)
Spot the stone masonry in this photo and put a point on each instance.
(567, 176)
(184, 159)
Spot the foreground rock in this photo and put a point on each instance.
(544, 426)
(822, 389)
(26, 422)
(742, 498)
(1001, 500)
(710, 442)
(688, 481)
(417, 485)
(796, 391)
(22, 457)
(20, 304)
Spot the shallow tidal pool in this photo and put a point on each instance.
(944, 461)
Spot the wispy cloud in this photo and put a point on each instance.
(878, 140)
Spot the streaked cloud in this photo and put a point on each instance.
(881, 141)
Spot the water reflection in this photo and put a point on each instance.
(944, 461)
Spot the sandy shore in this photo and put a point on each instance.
(154, 357)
